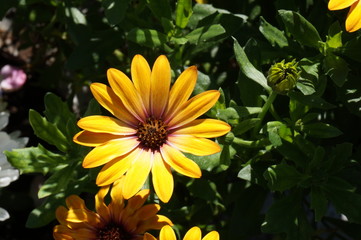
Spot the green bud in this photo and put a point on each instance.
(282, 76)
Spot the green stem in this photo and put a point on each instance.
(250, 144)
(264, 111)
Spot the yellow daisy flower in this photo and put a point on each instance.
(194, 233)
(153, 125)
(118, 220)
(353, 20)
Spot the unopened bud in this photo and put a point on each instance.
(282, 76)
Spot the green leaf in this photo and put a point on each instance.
(321, 130)
(48, 131)
(336, 68)
(183, 13)
(115, 10)
(160, 8)
(203, 189)
(202, 84)
(76, 15)
(283, 176)
(247, 68)
(286, 216)
(245, 173)
(302, 30)
(44, 214)
(57, 182)
(278, 131)
(310, 100)
(319, 203)
(273, 34)
(205, 34)
(341, 194)
(148, 38)
(58, 113)
(34, 159)
(245, 126)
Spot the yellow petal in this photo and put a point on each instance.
(148, 236)
(214, 235)
(140, 71)
(82, 215)
(194, 108)
(156, 222)
(138, 199)
(104, 124)
(111, 102)
(179, 162)
(340, 4)
(74, 202)
(126, 91)
(162, 178)
(193, 234)
(194, 145)
(181, 90)
(167, 233)
(137, 174)
(61, 213)
(116, 168)
(91, 139)
(159, 88)
(147, 211)
(353, 21)
(208, 128)
(108, 151)
(100, 206)
(117, 204)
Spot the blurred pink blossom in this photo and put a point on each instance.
(12, 78)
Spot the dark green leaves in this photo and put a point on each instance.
(301, 29)
(247, 67)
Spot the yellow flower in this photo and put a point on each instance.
(353, 20)
(118, 220)
(194, 233)
(153, 125)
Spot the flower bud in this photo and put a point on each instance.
(282, 76)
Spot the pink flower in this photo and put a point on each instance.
(12, 78)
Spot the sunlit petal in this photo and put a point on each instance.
(140, 71)
(193, 234)
(147, 211)
(100, 206)
(340, 4)
(208, 128)
(194, 145)
(137, 174)
(114, 169)
(74, 201)
(162, 178)
(194, 108)
(211, 236)
(179, 162)
(353, 21)
(108, 151)
(126, 91)
(160, 84)
(148, 236)
(104, 124)
(181, 90)
(111, 102)
(91, 139)
(167, 233)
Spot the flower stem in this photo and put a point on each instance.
(264, 111)
(250, 144)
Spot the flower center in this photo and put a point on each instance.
(152, 134)
(113, 232)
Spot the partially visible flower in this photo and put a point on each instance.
(119, 220)
(152, 125)
(8, 142)
(201, 1)
(167, 233)
(12, 78)
(282, 76)
(353, 20)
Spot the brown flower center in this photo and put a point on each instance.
(152, 134)
(114, 232)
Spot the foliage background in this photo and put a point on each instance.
(288, 170)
